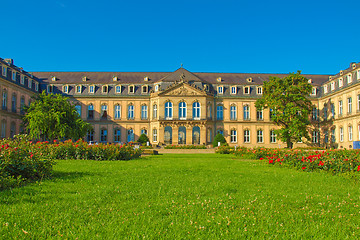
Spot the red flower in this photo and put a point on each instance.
(271, 161)
(31, 154)
(358, 168)
(261, 158)
(303, 168)
(321, 163)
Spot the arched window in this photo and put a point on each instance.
(117, 111)
(131, 111)
(3, 128)
(104, 109)
(168, 135)
(4, 99)
(219, 112)
(155, 111)
(117, 135)
(168, 110)
(182, 135)
(182, 110)
(103, 135)
(143, 131)
(130, 135)
(196, 135)
(118, 89)
(78, 109)
(196, 110)
(246, 112)
(232, 112)
(144, 112)
(13, 103)
(90, 111)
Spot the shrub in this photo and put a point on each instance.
(219, 138)
(143, 139)
(185, 147)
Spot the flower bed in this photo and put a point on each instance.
(22, 161)
(334, 161)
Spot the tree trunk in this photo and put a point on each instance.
(289, 143)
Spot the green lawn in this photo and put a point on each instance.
(180, 197)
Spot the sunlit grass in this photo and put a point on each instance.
(181, 196)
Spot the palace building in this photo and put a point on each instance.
(183, 107)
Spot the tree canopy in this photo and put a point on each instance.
(289, 104)
(51, 116)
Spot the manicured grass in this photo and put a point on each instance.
(181, 197)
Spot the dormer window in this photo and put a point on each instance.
(84, 79)
(310, 81)
(349, 78)
(156, 87)
(146, 79)
(91, 89)
(325, 88)
(341, 83)
(118, 89)
(233, 90)
(218, 79)
(249, 80)
(29, 83)
(50, 88)
(78, 89)
(36, 86)
(341, 72)
(115, 78)
(206, 87)
(65, 89)
(144, 89)
(358, 74)
(13, 77)
(22, 80)
(105, 89)
(259, 90)
(4, 71)
(313, 91)
(246, 90)
(53, 78)
(220, 89)
(332, 86)
(131, 89)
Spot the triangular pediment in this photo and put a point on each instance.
(181, 75)
(183, 89)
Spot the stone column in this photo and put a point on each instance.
(175, 135)
(203, 134)
(189, 134)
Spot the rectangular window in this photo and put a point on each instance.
(22, 80)
(154, 111)
(315, 114)
(36, 86)
(13, 77)
(117, 112)
(233, 113)
(4, 71)
(220, 89)
(132, 89)
(246, 136)
(91, 89)
(130, 112)
(333, 135)
(103, 135)
(272, 136)
(117, 135)
(65, 88)
(144, 89)
(233, 137)
(233, 90)
(29, 83)
(349, 105)
(340, 108)
(259, 115)
(105, 89)
(349, 78)
(49, 88)
(118, 89)
(332, 86)
(332, 106)
(144, 112)
(154, 135)
(350, 133)
(259, 90)
(326, 137)
(78, 89)
(325, 88)
(246, 90)
(246, 112)
(315, 136)
(358, 103)
(341, 82)
(341, 134)
(260, 137)
(313, 91)
(219, 112)
(358, 74)
(325, 112)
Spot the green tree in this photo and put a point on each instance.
(51, 116)
(143, 139)
(219, 138)
(290, 106)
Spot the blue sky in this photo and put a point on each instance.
(316, 37)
